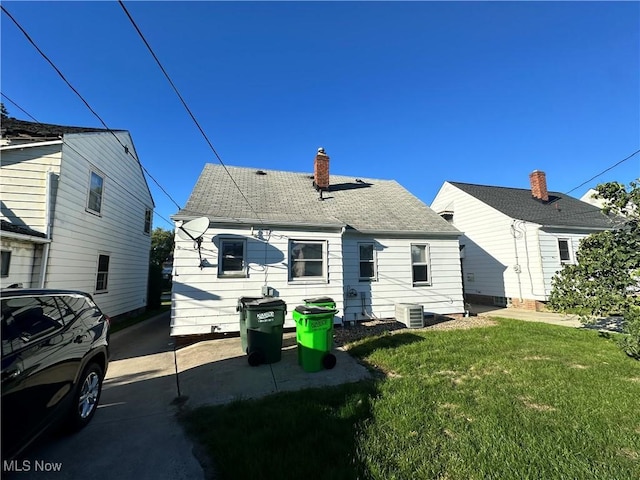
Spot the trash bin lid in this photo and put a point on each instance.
(307, 310)
(266, 302)
(319, 300)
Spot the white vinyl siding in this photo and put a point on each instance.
(80, 236)
(204, 302)
(394, 283)
(25, 262)
(502, 257)
(23, 183)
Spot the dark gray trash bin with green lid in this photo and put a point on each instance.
(264, 319)
(242, 309)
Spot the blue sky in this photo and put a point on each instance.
(419, 92)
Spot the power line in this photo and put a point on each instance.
(85, 158)
(64, 79)
(184, 104)
(604, 171)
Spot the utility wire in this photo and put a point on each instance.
(604, 171)
(64, 79)
(184, 104)
(81, 155)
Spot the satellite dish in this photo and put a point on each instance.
(193, 229)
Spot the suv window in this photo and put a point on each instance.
(24, 318)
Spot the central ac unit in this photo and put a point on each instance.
(411, 314)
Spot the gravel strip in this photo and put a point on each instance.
(344, 335)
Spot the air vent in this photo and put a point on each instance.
(411, 314)
(261, 172)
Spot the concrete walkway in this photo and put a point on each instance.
(135, 432)
(613, 324)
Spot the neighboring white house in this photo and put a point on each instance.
(368, 244)
(515, 239)
(76, 213)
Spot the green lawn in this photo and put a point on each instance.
(520, 400)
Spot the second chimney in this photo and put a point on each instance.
(538, 181)
(321, 170)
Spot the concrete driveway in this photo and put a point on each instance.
(135, 434)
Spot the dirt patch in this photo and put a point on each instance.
(536, 406)
(344, 335)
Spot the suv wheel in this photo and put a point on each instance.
(86, 397)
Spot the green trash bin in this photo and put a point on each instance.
(242, 309)
(314, 335)
(264, 318)
(326, 302)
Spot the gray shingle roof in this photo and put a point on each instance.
(289, 198)
(14, 128)
(6, 226)
(518, 203)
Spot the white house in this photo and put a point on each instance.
(368, 244)
(515, 239)
(76, 213)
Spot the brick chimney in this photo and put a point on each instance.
(538, 181)
(321, 170)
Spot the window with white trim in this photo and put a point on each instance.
(147, 220)
(564, 247)
(102, 278)
(367, 261)
(94, 199)
(307, 260)
(5, 262)
(231, 257)
(420, 264)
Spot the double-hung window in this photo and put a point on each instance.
(307, 260)
(367, 261)
(231, 261)
(5, 262)
(147, 220)
(420, 265)
(103, 273)
(94, 200)
(564, 246)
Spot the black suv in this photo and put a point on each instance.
(55, 352)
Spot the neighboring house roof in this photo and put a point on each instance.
(14, 128)
(561, 210)
(24, 132)
(6, 226)
(289, 198)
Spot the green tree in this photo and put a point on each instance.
(161, 246)
(161, 251)
(606, 279)
(3, 111)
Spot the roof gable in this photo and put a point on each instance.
(289, 198)
(13, 128)
(560, 211)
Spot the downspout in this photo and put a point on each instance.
(518, 268)
(47, 218)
